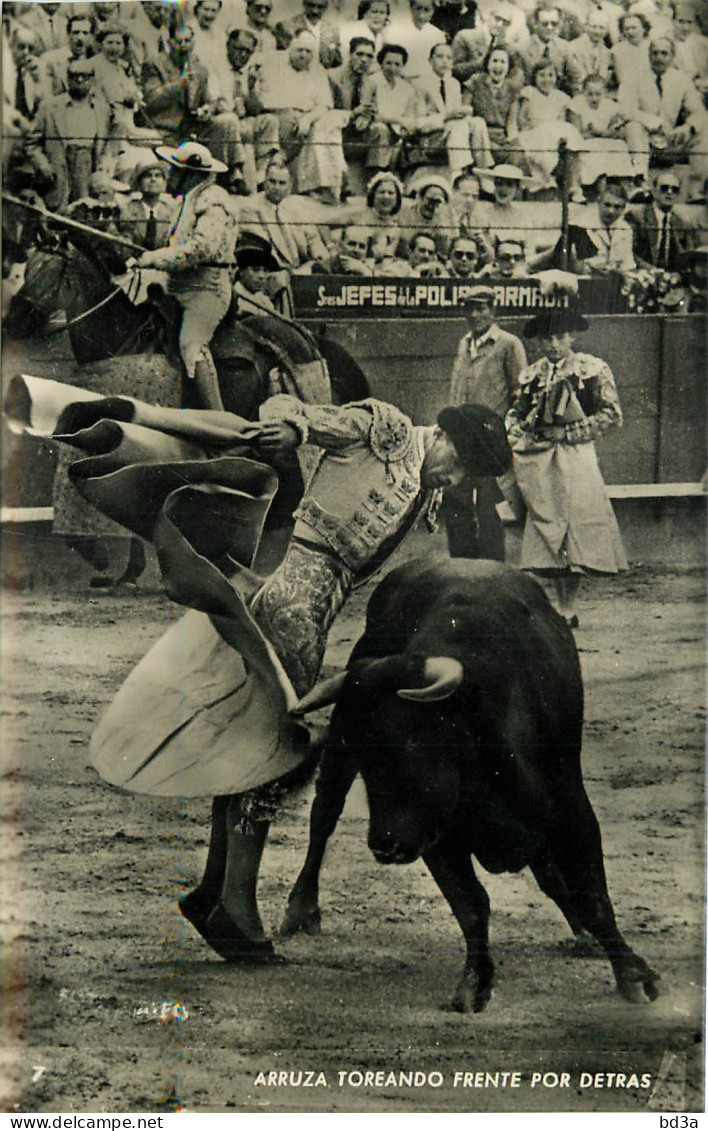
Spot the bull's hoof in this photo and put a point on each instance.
(224, 936)
(472, 995)
(637, 983)
(297, 919)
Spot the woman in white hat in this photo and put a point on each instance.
(198, 259)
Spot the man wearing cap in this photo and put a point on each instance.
(69, 136)
(661, 236)
(255, 265)
(148, 212)
(378, 473)
(486, 370)
(566, 401)
(198, 259)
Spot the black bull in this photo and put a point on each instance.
(462, 708)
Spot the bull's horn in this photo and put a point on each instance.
(322, 694)
(442, 676)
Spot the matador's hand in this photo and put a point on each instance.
(274, 439)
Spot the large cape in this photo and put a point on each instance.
(207, 711)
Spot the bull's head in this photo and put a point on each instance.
(393, 714)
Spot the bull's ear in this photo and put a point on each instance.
(322, 694)
(442, 675)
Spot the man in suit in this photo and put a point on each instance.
(354, 91)
(546, 43)
(48, 21)
(446, 122)
(282, 218)
(661, 236)
(241, 88)
(313, 18)
(80, 30)
(666, 111)
(589, 52)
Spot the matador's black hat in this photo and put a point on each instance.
(479, 437)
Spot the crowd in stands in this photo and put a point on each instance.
(423, 138)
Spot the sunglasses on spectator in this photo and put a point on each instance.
(669, 188)
(510, 257)
(465, 254)
(261, 7)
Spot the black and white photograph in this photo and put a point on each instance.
(352, 558)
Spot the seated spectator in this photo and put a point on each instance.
(631, 53)
(447, 123)
(372, 19)
(257, 21)
(209, 45)
(602, 126)
(149, 212)
(115, 81)
(101, 207)
(176, 93)
(31, 82)
(242, 96)
(666, 113)
(69, 136)
(324, 31)
(610, 12)
(150, 30)
(80, 31)
(301, 96)
(429, 211)
(255, 266)
(417, 35)
(506, 217)
(423, 259)
(381, 218)
(396, 103)
(466, 210)
(509, 261)
(465, 258)
(604, 242)
(542, 115)
(362, 137)
(546, 45)
(691, 48)
(662, 236)
(493, 93)
(588, 51)
(283, 219)
(471, 48)
(352, 255)
(48, 23)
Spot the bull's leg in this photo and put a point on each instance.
(551, 882)
(336, 775)
(577, 848)
(451, 867)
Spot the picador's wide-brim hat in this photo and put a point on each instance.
(557, 320)
(479, 437)
(191, 155)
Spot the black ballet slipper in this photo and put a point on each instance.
(228, 940)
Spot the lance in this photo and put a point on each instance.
(74, 225)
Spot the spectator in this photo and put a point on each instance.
(396, 102)
(197, 260)
(429, 211)
(565, 402)
(454, 16)
(69, 136)
(589, 53)
(542, 120)
(362, 137)
(695, 274)
(258, 14)
(115, 81)
(149, 212)
(352, 255)
(417, 35)
(545, 44)
(150, 30)
(631, 54)
(662, 237)
(313, 20)
(465, 258)
(602, 126)
(609, 235)
(283, 220)
(666, 112)
(509, 261)
(422, 256)
(301, 96)
(493, 93)
(381, 218)
(472, 48)
(101, 208)
(486, 368)
(210, 46)
(505, 215)
(31, 82)
(176, 92)
(80, 31)
(372, 19)
(447, 122)
(48, 22)
(691, 48)
(242, 96)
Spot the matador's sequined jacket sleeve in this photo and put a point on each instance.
(592, 385)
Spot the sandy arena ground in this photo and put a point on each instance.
(98, 951)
